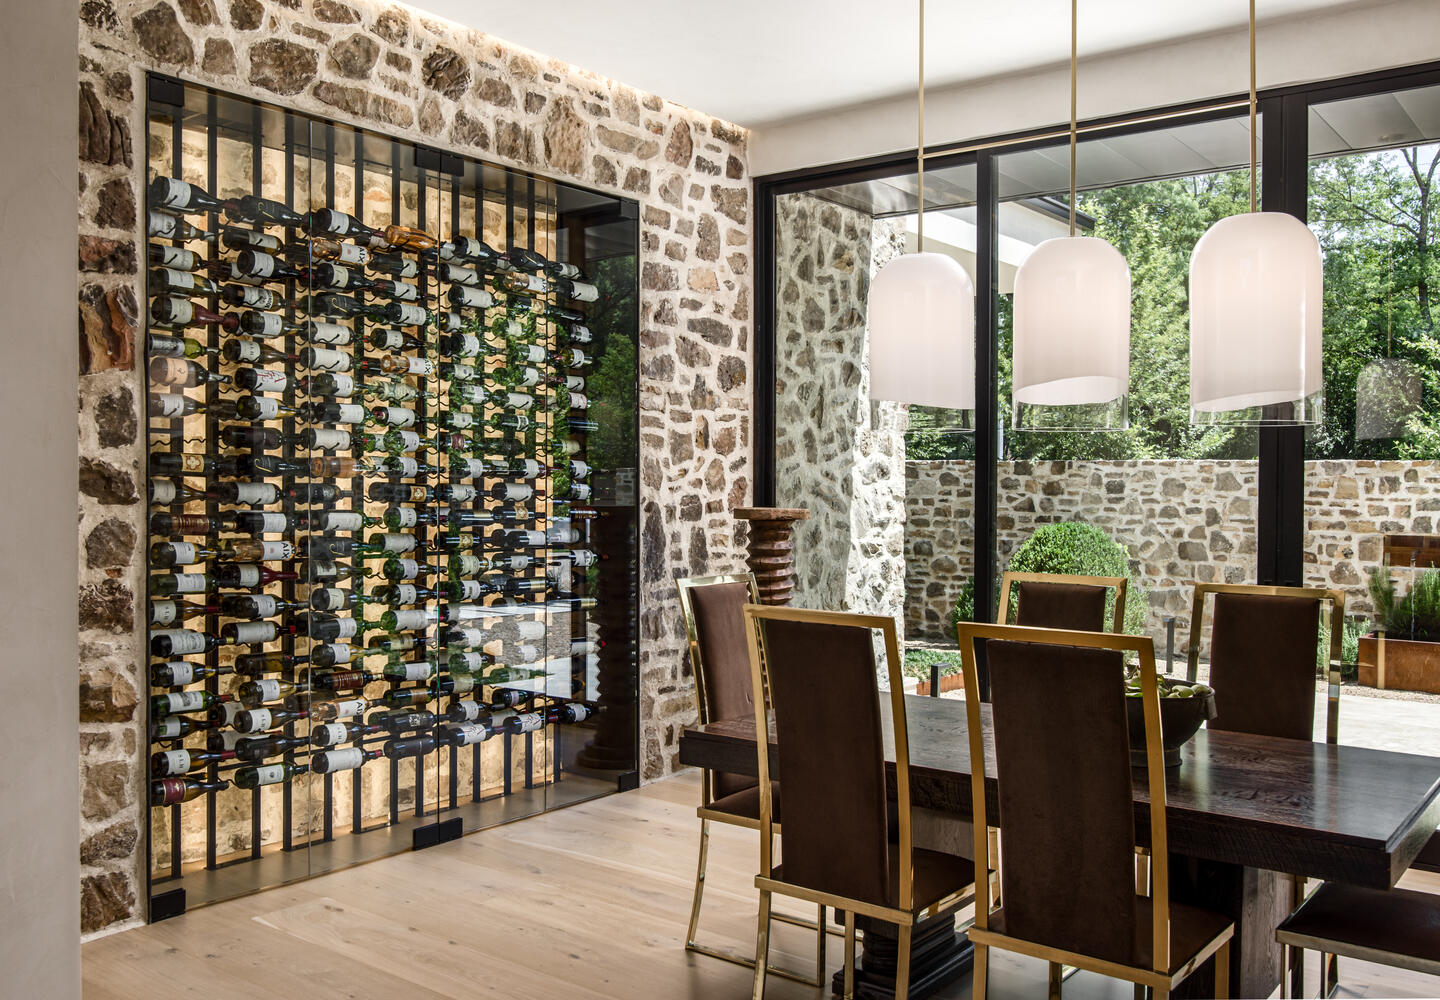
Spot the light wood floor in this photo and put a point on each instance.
(589, 902)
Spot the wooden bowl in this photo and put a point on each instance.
(1180, 720)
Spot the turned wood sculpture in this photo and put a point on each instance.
(772, 549)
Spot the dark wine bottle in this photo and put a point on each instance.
(164, 763)
(173, 791)
(175, 195)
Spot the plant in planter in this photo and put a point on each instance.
(1408, 656)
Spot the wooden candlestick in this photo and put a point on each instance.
(772, 549)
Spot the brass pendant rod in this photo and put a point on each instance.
(1253, 158)
(1074, 16)
(920, 139)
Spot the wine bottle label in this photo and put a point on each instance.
(247, 576)
(180, 281)
(413, 672)
(350, 253)
(470, 468)
(184, 553)
(527, 654)
(464, 612)
(465, 711)
(531, 283)
(330, 439)
(583, 558)
(515, 491)
(267, 522)
(582, 292)
(337, 652)
(252, 633)
(344, 759)
(269, 325)
(268, 380)
(166, 729)
(267, 689)
(518, 400)
(531, 630)
(528, 722)
(339, 275)
(161, 224)
(578, 400)
(533, 354)
(409, 315)
(342, 520)
(468, 637)
(262, 265)
(474, 298)
(350, 413)
(164, 613)
(395, 541)
(469, 590)
(264, 606)
(324, 359)
(327, 598)
(255, 298)
(419, 366)
(531, 538)
(264, 407)
(329, 734)
(398, 416)
(345, 628)
(462, 275)
(409, 440)
(471, 662)
(469, 393)
(580, 647)
(172, 790)
(229, 713)
(389, 340)
(407, 619)
(405, 466)
(514, 562)
(404, 517)
(183, 701)
(579, 491)
(575, 383)
(190, 583)
(467, 345)
(561, 536)
(580, 334)
(176, 257)
(463, 493)
(182, 672)
(163, 491)
(258, 494)
(246, 351)
(170, 371)
(465, 565)
(257, 720)
(578, 712)
(330, 333)
(463, 373)
(348, 708)
(270, 774)
(468, 733)
(174, 193)
(406, 593)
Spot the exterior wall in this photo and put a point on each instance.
(836, 454)
(1181, 521)
(390, 68)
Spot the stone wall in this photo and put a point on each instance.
(836, 454)
(392, 69)
(1181, 521)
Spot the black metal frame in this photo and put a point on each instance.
(1280, 526)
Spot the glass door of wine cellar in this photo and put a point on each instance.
(392, 502)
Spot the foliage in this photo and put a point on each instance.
(611, 387)
(964, 609)
(1416, 615)
(932, 436)
(919, 661)
(1083, 549)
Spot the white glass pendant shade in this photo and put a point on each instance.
(1072, 337)
(1387, 395)
(922, 332)
(1255, 333)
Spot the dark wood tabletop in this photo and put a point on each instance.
(1332, 812)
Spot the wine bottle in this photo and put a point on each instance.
(343, 759)
(580, 291)
(165, 763)
(163, 492)
(174, 727)
(409, 238)
(329, 654)
(261, 380)
(469, 297)
(468, 248)
(164, 346)
(267, 774)
(171, 310)
(248, 576)
(400, 698)
(179, 673)
(165, 643)
(327, 628)
(175, 195)
(254, 323)
(336, 223)
(260, 720)
(465, 734)
(259, 664)
(254, 751)
(405, 721)
(253, 633)
(161, 255)
(343, 680)
(253, 208)
(348, 708)
(170, 612)
(331, 304)
(173, 791)
(320, 248)
(163, 225)
(241, 239)
(404, 314)
(415, 746)
(254, 607)
(394, 340)
(183, 702)
(400, 569)
(335, 413)
(182, 372)
(316, 493)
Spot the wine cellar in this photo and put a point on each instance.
(392, 495)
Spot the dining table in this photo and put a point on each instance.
(1243, 814)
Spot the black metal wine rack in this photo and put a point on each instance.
(478, 671)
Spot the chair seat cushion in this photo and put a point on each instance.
(937, 875)
(1191, 929)
(1394, 921)
(746, 802)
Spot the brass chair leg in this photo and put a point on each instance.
(762, 947)
(1294, 966)
(1055, 971)
(699, 884)
(849, 955)
(979, 980)
(902, 962)
(1329, 974)
(1222, 972)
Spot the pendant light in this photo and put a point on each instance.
(922, 313)
(1255, 310)
(1071, 348)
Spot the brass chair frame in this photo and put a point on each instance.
(1117, 583)
(708, 815)
(903, 915)
(1158, 979)
(1331, 949)
(1334, 620)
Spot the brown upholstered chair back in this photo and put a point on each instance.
(1067, 815)
(832, 772)
(1054, 600)
(1063, 787)
(715, 623)
(1264, 643)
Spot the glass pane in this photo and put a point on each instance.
(1160, 502)
(1370, 469)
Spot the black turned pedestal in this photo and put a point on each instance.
(938, 956)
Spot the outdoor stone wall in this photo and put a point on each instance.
(392, 69)
(836, 454)
(1181, 521)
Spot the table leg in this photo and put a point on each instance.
(1257, 901)
(938, 956)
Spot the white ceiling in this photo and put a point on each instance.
(759, 61)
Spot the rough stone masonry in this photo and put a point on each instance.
(392, 69)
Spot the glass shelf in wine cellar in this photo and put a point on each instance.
(392, 496)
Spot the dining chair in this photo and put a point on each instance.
(1062, 600)
(712, 609)
(1264, 647)
(820, 670)
(1064, 799)
(1395, 927)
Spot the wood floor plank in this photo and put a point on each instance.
(586, 903)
